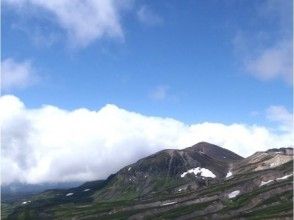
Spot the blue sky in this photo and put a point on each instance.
(185, 64)
(88, 82)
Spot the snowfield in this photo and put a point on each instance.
(284, 177)
(25, 202)
(265, 182)
(233, 194)
(229, 174)
(198, 170)
(168, 203)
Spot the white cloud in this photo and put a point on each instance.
(159, 92)
(84, 21)
(16, 74)
(52, 144)
(281, 115)
(267, 54)
(148, 17)
(272, 63)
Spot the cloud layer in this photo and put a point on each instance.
(50, 144)
(16, 74)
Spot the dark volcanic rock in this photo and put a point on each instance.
(214, 151)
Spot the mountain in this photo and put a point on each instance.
(165, 171)
(264, 160)
(200, 182)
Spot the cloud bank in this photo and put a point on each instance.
(49, 144)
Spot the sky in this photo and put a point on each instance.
(84, 80)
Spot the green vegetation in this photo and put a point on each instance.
(245, 198)
(271, 211)
(183, 210)
(279, 198)
(6, 209)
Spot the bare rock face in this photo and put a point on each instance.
(214, 151)
(284, 151)
(264, 160)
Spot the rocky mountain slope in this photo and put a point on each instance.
(200, 182)
(166, 169)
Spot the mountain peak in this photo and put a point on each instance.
(214, 151)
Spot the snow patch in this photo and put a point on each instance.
(69, 194)
(265, 182)
(203, 172)
(129, 168)
(168, 203)
(233, 194)
(284, 177)
(86, 190)
(229, 174)
(25, 202)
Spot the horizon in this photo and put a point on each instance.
(90, 87)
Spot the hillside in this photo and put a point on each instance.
(203, 181)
